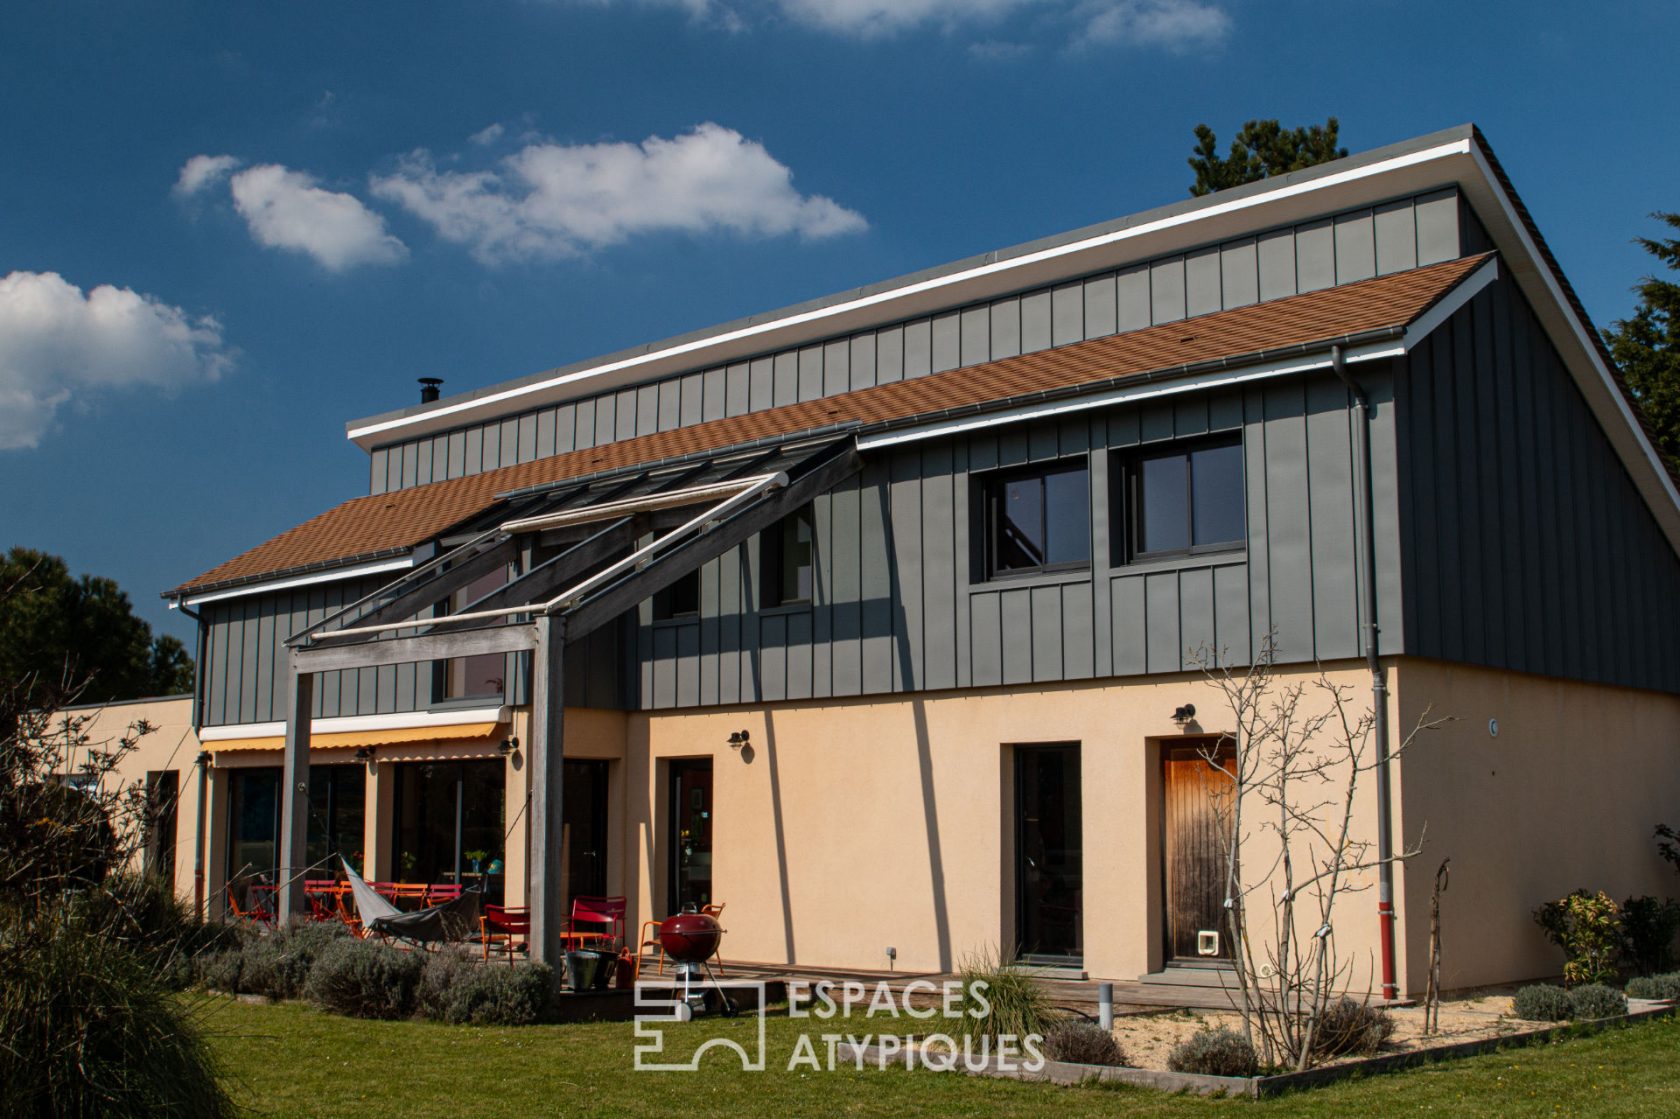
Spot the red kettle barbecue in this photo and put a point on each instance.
(689, 940)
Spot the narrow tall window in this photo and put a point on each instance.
(789, 558)
(679, 600)
(1186, 500)
(1038, 520)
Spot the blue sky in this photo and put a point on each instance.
(481, 191)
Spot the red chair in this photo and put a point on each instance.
(319, 893)
(254, 909)
(510, 928)
(605, 915)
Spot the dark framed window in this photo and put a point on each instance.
(789, 555)
(1038, 519)
(679, 600)
(1184, 500)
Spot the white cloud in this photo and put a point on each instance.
(1173, 24)
(202, 171)
(879, 17)
(285, 209)
(58, 344)
(487, 135)
(555, 200)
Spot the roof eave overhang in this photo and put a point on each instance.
(1433, 162)
(329, 571)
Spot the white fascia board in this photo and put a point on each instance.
(269, 586)
(1451, 303)
(351, 724)
(979, 282)
(1131, 394)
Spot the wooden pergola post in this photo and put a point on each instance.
(546, 753)
(294, 794)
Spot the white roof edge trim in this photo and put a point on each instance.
(337, 574)
(1585, 340)
(1442, 151)
(1452, 302)
(1151, 390)
(350, 724)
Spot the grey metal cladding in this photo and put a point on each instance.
(1527, 546)
(1394, 236)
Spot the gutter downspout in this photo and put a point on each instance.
(1379, 682)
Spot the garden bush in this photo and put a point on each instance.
(364, 979)
(278, 964)
(1018, 1006)
(1082, 1043)
(466, 991)
(1649, 926)
(1664, 986)
(1221, 1052)
(1347, 1026)
(1595, 1000)
(1541, 1002)
(1588, 928)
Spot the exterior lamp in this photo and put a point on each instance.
(1184, 714)
(508, 746)
(364, 753)
(738, 739)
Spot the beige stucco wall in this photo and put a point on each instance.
(851, 826)
(1565, 796)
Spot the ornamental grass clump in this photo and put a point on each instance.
(1594, 1000)
(1000, 1000)
(1347, 1026)
(1541, 1002)
(1220, 1052)
(1083, 1043)
(364, 979)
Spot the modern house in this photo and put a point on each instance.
(875, 618)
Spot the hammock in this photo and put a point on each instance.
(455, 919)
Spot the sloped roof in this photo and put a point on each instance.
(385, 524)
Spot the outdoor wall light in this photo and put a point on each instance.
(509, 745)
(203, 758)
(364, 753)
(1184, 714)
(738, 739)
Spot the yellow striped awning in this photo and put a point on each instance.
(464, 732)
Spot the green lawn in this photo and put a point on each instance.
(289, 1060)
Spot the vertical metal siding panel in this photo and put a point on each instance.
(1203, 291)
(1448, 501)
(1067, 314)
(249, 665)
(1288, 521)
(387, 701)
(1494, 521)
(393, 469)
(1016, 623)
(1077, 614)
(1425, 600)
(1198, 636)
(1230, 613)
(961, 569)
(985, 638)
(1330, 494)
(1101, 307)
(1469, 433)
(1513, 578)
(918, 348)
(688, 665)
(1046, 633)
(1277, 264)
(1125, 427)
(527, 437)
(1569, 504)
(909, 661)
(1190, 415)
(716, 389)
(1105, 517)
(607, 406)
(761, 379)
(1156, 421)
(1225, 411)
(1356, 247)
(545, 433)
(822, 604)
(878, 562)
(423, 467)
(638, 411)
(845, 550)
(691, 398)
(976, 335)
(1239, 273)
(738, 391)
(1130, 626)
(1437, 227)
(377, 466)
(586, 423)
(785, 379)
(731, 606)
(863, 361)
(565, 428)
(710, 624)
(1044, 441)
(493, 457)
(889, 355)
(1035, 321)
(1166, 290)
(410, 462)
(946, 345)
(1163, 649)
(646, 662)
(669, 406)
(1259, 551)
(664, 666)
(1395, 227)
(837, 367)
(1006, 328)
(1385, 479)
(268, 609)
(939, 657)
(214, 673)
(1315, 255)
(810, 373)
(1131, 296)
(440, 457)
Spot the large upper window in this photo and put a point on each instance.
(789, 559)
(1038, 519)
(1186, 499)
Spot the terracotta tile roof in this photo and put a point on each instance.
(367, 527)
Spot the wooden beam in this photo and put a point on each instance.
(546, 754)
(294, 796)
(436, 646)
(436, 588)
(564, 569)
(688, 556)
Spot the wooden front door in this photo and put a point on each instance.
(1195, 845)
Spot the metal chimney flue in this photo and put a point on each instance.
(429, 389)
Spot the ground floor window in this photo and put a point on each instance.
(690, 854)
(163, 792)
(337, 798)
(337, 810)
(253, 825)
(583, 830)
(450, 824)
(1049, 854)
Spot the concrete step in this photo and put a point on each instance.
(1220, 977)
